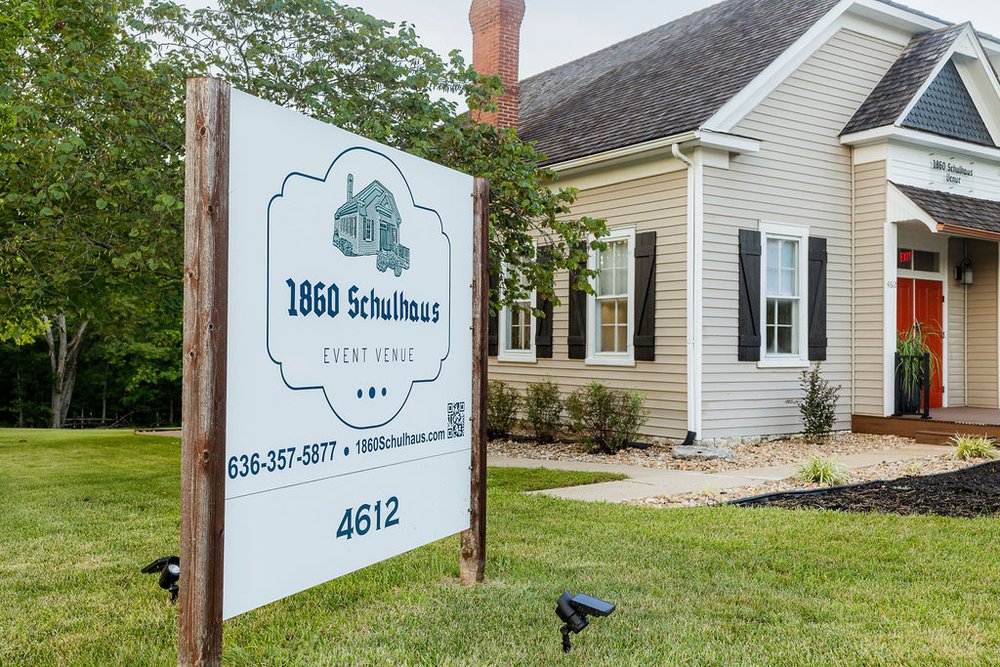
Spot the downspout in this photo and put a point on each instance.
(965, 326)
(676, 150)
(854, 283)
(694, 288)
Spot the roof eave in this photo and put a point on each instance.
(895, 133)
(731, 143)
(958, 230)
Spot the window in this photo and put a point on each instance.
(349, 227)
(517, 333)
(785, 283)
(369, 230)
(918, 260)
(611, 314)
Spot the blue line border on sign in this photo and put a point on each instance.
(267, 318)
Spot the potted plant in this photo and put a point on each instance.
(912, 350)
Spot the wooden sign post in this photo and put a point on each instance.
(203, 449)
(473, 562)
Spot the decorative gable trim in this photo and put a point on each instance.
(948, 109)
(977, 69)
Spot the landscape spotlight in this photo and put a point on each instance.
(169, 568)
(573, 611)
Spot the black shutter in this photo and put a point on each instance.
(644, 340)
(749, 325)
(577, 338)
(543, 325)
(817, 299)
(493, 329)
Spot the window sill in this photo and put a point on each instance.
(788, 362)
(513, 357)
(620, 360)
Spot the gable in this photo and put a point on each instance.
(947, 109)
(904, 80)
(663, 82)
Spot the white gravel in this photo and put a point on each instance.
(761, 455)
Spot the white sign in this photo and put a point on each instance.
(349, 353)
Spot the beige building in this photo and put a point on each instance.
(785, 182)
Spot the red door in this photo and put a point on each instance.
(922, 301)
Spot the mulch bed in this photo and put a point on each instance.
(968, 493)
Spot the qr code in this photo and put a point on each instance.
(456, 419)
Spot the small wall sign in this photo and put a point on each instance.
(954, 172)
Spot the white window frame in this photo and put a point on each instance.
(799, 233)
(627, 358)
(503, 320)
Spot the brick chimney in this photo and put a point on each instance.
(496, 40)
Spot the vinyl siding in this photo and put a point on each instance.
(869, 288)
(657, 203)
(802, 176)
(982, 325)
(956, 328)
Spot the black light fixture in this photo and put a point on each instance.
(573, 611)
(963, 272)
(169, 568)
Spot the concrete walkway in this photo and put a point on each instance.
(645, 482)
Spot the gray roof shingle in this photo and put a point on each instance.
(672, 79)
(956, 210)
(948, 109)
(903, 80)
(663, 82)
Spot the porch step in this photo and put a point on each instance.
(933, 437)
(933, 432)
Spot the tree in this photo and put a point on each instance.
(372, 77)
(90, 180)
(91, 156)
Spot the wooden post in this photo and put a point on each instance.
(473, 563)
(203, 450)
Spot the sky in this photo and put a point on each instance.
(558, 31)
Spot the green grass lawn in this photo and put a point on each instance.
(81, 512)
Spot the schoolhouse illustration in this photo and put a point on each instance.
(368, 224)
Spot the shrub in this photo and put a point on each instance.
(818, 404)
(543, 410)
(606, 419)
(968, 447)
(502, 403)
(828, 472)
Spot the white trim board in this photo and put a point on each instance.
(917, 138)
(695, 294)
(890, 246)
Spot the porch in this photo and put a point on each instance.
(941, 266)
(938, 430)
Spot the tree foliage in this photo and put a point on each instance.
(374, 78)
(91, 156)
(90, 177)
